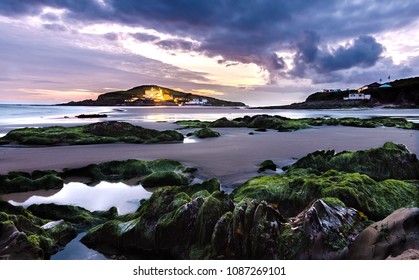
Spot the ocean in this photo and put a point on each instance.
(19, 116)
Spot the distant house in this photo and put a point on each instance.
(197, 101)
(358, 96)
(370, 86)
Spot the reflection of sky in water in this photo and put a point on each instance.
(100, 197)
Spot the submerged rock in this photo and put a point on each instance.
(388, 238)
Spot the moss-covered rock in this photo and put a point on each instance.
(392, 161)
(23, 182)
(159, 225)
(204, 133)
(293, 191)
(72, 214)
(267, 165)
(27, 236)
(263, 122)
(163, 178)
(96, 133)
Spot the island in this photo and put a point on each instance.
(153, 95)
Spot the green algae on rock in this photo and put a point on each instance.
(390, 161)
(27, 236)
(293, 192)
(204, 133)
(96, 133)
(282, 124)
(267, 165)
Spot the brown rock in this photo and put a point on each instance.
(390, 237)
(410, 254)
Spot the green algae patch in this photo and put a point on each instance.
(292, 193)
(204, 133)
(391, 161)
(96, 133)
(282, 124)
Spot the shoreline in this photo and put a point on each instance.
(220, 158)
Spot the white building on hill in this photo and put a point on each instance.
(358, 96)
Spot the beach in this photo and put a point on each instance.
(232, 158)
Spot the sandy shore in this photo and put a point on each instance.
(232, 158)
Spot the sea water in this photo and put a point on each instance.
(18, 116)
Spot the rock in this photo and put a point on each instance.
(41, 238)
(409, 254)
(91, 116)
(390, 237)
(158, 227)
(294, 190)
(72, 214)
(267, 164)
(15, 245)
(23, 182)
(96, 133)
(321, 231)
(163, 178)
(392, 161)
(204, 133)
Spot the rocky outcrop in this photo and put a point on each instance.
(15, 245)
(24, 235)
(392, 161)
(96, 133)
(389, 238)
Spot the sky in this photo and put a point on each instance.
(261, 52)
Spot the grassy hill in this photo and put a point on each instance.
(152, 95)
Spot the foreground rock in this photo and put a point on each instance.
(24, 235)
(391, 161)
(218, 229)
(314, 177)
(96, 133)
(389, 238)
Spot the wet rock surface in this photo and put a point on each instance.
(389, 238)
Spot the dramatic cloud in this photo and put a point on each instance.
(144, 37)
(313, 41)
(176, 45)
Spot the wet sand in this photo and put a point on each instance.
(232, 158)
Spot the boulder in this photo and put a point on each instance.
(15, 245)
(388, 238)
(204, 133)
(267, 165)
(392, 161)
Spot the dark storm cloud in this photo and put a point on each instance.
(176, 44)
(364, 52)
(144, 37)
(250, 31)
(55, 27)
